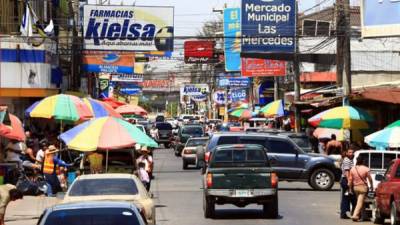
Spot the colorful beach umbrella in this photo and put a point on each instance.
(273, 109)
(386, 138)
(242, 113)
(60, 107)
(131, 109)
(343, 117)
(113, 102)
(395, 124)
(100, 109)
(14, 130)
(105, 133)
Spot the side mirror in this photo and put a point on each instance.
(379, 177)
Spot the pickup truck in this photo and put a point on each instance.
(387, 196)
(240, 175)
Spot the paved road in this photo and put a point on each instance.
(178, 196)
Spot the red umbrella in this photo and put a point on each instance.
(131, 109)
(113, 103)
(15, 131)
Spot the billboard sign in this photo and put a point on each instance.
(270, 26)
(127, 78)
(98, 62)
(380, 18)
(200, 52)
(238, 95)
(194, 92)
(232, 33)
(128, 28)
(219, 97)
(263, 67)
(234, 82)
(130, 89)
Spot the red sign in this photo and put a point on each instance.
(263, 67)
(199, 52)
(155, 83)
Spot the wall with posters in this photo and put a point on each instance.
(128, 28)
(380, 18)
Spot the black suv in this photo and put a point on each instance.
(165, 135)
(288, 160)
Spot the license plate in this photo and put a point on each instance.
(242, 193)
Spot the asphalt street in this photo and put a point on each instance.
(178, 196)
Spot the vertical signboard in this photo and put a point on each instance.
(380, 18)
(232, 33)
(269, 26)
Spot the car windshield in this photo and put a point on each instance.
(96, 216)
(164, 126)
(196, 142)
(192, 130)
(96, 187)
(302, 142)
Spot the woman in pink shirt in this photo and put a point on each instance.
(358, 182)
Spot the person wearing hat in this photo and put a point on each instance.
(51, 166)
(147, 160)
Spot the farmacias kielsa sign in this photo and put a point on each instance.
(128, 28)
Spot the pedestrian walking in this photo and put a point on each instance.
(346, 197)
(144, 176)
(8, 193)
(147, 160)
(358, 177)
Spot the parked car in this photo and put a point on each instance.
(186, 132)
(113, 187)
(165, 135)
(189, 153)
(92, 213)
(240, 175)
(387, 200)
(288, 160)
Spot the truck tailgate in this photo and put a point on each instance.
(241, 178)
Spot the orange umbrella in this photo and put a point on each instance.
(131, 109)
(14, 131)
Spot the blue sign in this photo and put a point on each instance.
(232, 33)
(238, 95)
(381, 18)
(268, 26)
(130, 89)
(234, 82)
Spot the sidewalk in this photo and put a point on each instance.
(28, 210)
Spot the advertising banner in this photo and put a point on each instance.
(98, 62)
(238, 95)
(219, 97)
(269, 26)
(104, 86)
(127, 78)
(232, 33)
(130, 89)
(234, 82)
(128, 28)
(200, 52)
(194, 92)
(380, 18)
(263, 67)
(156, 85)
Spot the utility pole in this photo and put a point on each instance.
(296, 70)
(343, 54)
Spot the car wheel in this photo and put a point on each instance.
(271, 210)
(394, 215)
(184, 165)
(208, 207)
(376, 214)
(322, 179)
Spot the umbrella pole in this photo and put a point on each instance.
(61, 131)
(107, 161)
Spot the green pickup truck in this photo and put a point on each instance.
(240, 175)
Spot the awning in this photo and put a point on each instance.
(384, 94)
(315, 77)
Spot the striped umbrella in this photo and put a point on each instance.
(131, 109)
(105, 133)
(100, 109)
(386, 138)
(273, 109)
(60, 107)
(242, 113)
(14, 130)
(343, 117)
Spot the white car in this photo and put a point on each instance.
(189, 152)
(112, 187)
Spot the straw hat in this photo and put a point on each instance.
(144, 149)
(52, 149)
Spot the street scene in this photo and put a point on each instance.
(244, 112)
